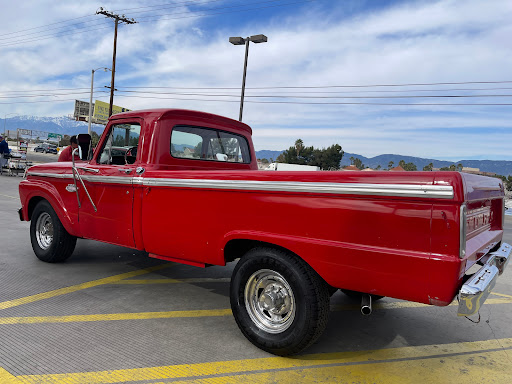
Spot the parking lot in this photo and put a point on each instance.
(113, 315)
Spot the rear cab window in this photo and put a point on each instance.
(199, 143)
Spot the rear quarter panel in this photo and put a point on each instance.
(376, 244)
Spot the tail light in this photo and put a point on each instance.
(463, 230)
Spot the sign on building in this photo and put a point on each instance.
(81, 112)
(101, 111)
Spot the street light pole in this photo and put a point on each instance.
(243, 79)
(90, 99)
(240, 41)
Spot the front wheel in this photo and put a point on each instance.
(279, 302)
(50, 240)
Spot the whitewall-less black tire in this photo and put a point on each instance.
(279, 302)
(50, 240)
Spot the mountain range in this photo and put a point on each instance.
(62, 125)
(501, 167)
(67, 126)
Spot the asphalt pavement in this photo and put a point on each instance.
(113, 315)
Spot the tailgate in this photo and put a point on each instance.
(481, 217)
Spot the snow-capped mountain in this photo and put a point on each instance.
(62, 125)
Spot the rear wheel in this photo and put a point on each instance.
(279, 303)
(50, 240)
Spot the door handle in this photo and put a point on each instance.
(125, 170)
(88, 169)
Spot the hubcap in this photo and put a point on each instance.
(269, 301)
(44, 230)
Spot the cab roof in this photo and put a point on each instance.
(161, 113)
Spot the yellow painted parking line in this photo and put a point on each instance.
(175, 281)
(411, 364)
(115, 316)
(410, 304)
(501, 294)
(451, 369)
(10, 197)
(78, 287)
(192, 313)
(7, 378)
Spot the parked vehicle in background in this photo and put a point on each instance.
(184, 186)
(290, 167)
(46, 148)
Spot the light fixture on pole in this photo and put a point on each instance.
(241, 41)
(90, 99)
(5, 120)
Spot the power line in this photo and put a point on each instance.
(46, 25)
(153, 18)
(46, 37)
(180, 3)
(223, 13)
(221, 8)
(338, 86)
(322, 103)
(276, 102)
(319, 97)
(174, 5)
(52, 34)
(300, 87)
(170, 6)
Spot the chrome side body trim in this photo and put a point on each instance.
(108, 179)
(405, 190)
(54, 175)
(432, 191)
(91, 178)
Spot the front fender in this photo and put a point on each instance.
(40, 189)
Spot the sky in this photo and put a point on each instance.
(416, 78)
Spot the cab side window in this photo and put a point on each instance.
(121, 145)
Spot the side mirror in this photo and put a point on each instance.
(84, 143)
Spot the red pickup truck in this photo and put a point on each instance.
(184, 186)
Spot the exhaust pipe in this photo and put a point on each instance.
(366, 304)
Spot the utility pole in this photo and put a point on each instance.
(117, 19)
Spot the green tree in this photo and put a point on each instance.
(390, 164)
(64, 142)
(459, 167)
(357, 162)
(407, 166)
(95, 138)
(325, 158)
(378, 167)
(428, 167)
(328, 159)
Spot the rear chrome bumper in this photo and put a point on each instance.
(473, 294)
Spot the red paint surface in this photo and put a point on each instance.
(402, 247)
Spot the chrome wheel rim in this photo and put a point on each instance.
(44, 230)
(269, 301)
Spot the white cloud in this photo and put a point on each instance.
(414, 42)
